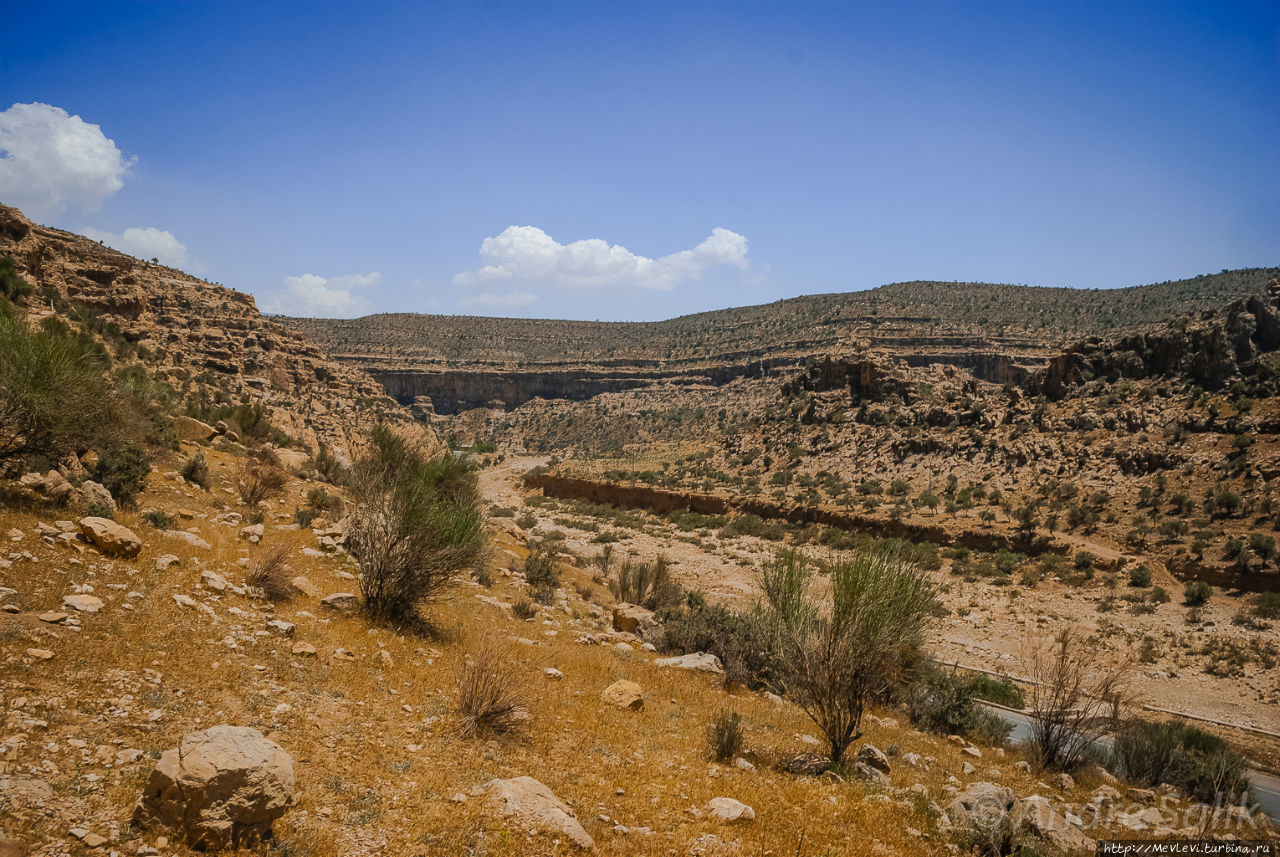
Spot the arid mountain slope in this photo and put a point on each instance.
(208, 342)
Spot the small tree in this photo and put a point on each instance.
(416, 523)
(1076, 697)
(834, 655)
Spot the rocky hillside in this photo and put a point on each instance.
(209, 343)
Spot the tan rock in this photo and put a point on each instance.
(728, 810)
(83, 603)
(624, 694)
(193, 429)
(109, 537)
(223, 786)
(339, 600)
(534, 806)
(305, 586)
(702, 662)
(303, 649)
(190, 538)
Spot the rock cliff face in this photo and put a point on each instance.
(1207, 350)
(190, 332)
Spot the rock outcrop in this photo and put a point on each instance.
(109, 537)
(535, 806)
(220, 787)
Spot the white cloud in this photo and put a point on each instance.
(320, 297)
(527, 254)
(493, 300)
(49, 160)
(144, 243)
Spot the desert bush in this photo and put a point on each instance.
(1201, 765)
(524, 609)
(1076, 696)
(270, 574)
(258, 481)
(945, 702)
(100, 510)
(158, 518)
(416, 523)
(744, 642)
(724, 736)
(196, 471)
(122, 470)
(1140, 576)
(304, 515)
(1196, 592)
(835, 655)
(647, 584)
(54, 396)
(1266, 605)
(492, 692)
(540, 569)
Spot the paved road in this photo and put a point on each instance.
(1266, 788)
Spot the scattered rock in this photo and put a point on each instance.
(624, 694)
(91, 494)
(534, 805)
(303, 649)
(728, 810)
(109, 537)
(807, 764)
(339, 600)
(190, 538)
(83, 603)
(872, 756)
(40, 654)
(221, 786)
(164, 563)
(1062, 782)
(305, 586)
(281, 627)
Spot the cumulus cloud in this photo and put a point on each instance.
(49, 160)
(493, 300)
(527, 254)
(144, 243)
(321, 297)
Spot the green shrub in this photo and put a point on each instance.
(540, 569)
(304, 515)
(122, 470)
(54, 396)
(1197, 592)
(416, 522)
(158, 518)
(945, 702)
(12, 285)
(724, 736)
(834, 657)
(100, 510)
(1266, 605)
(742, 641)
(1140, 576)
(1198, 763)
(524, 609)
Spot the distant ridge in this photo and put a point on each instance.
(1015, 320)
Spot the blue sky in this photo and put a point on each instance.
(653, 159)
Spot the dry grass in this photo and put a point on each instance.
(377, 756)
(492, 690)
(270, 573)
(259, 481)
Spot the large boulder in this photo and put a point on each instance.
(702, 662)
(982, 804)
(189, 428)
(533, 805)
(1038, 814)
(220, 787)
(633, 619)
(624, 694)
(109, 537)
(91, 494)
